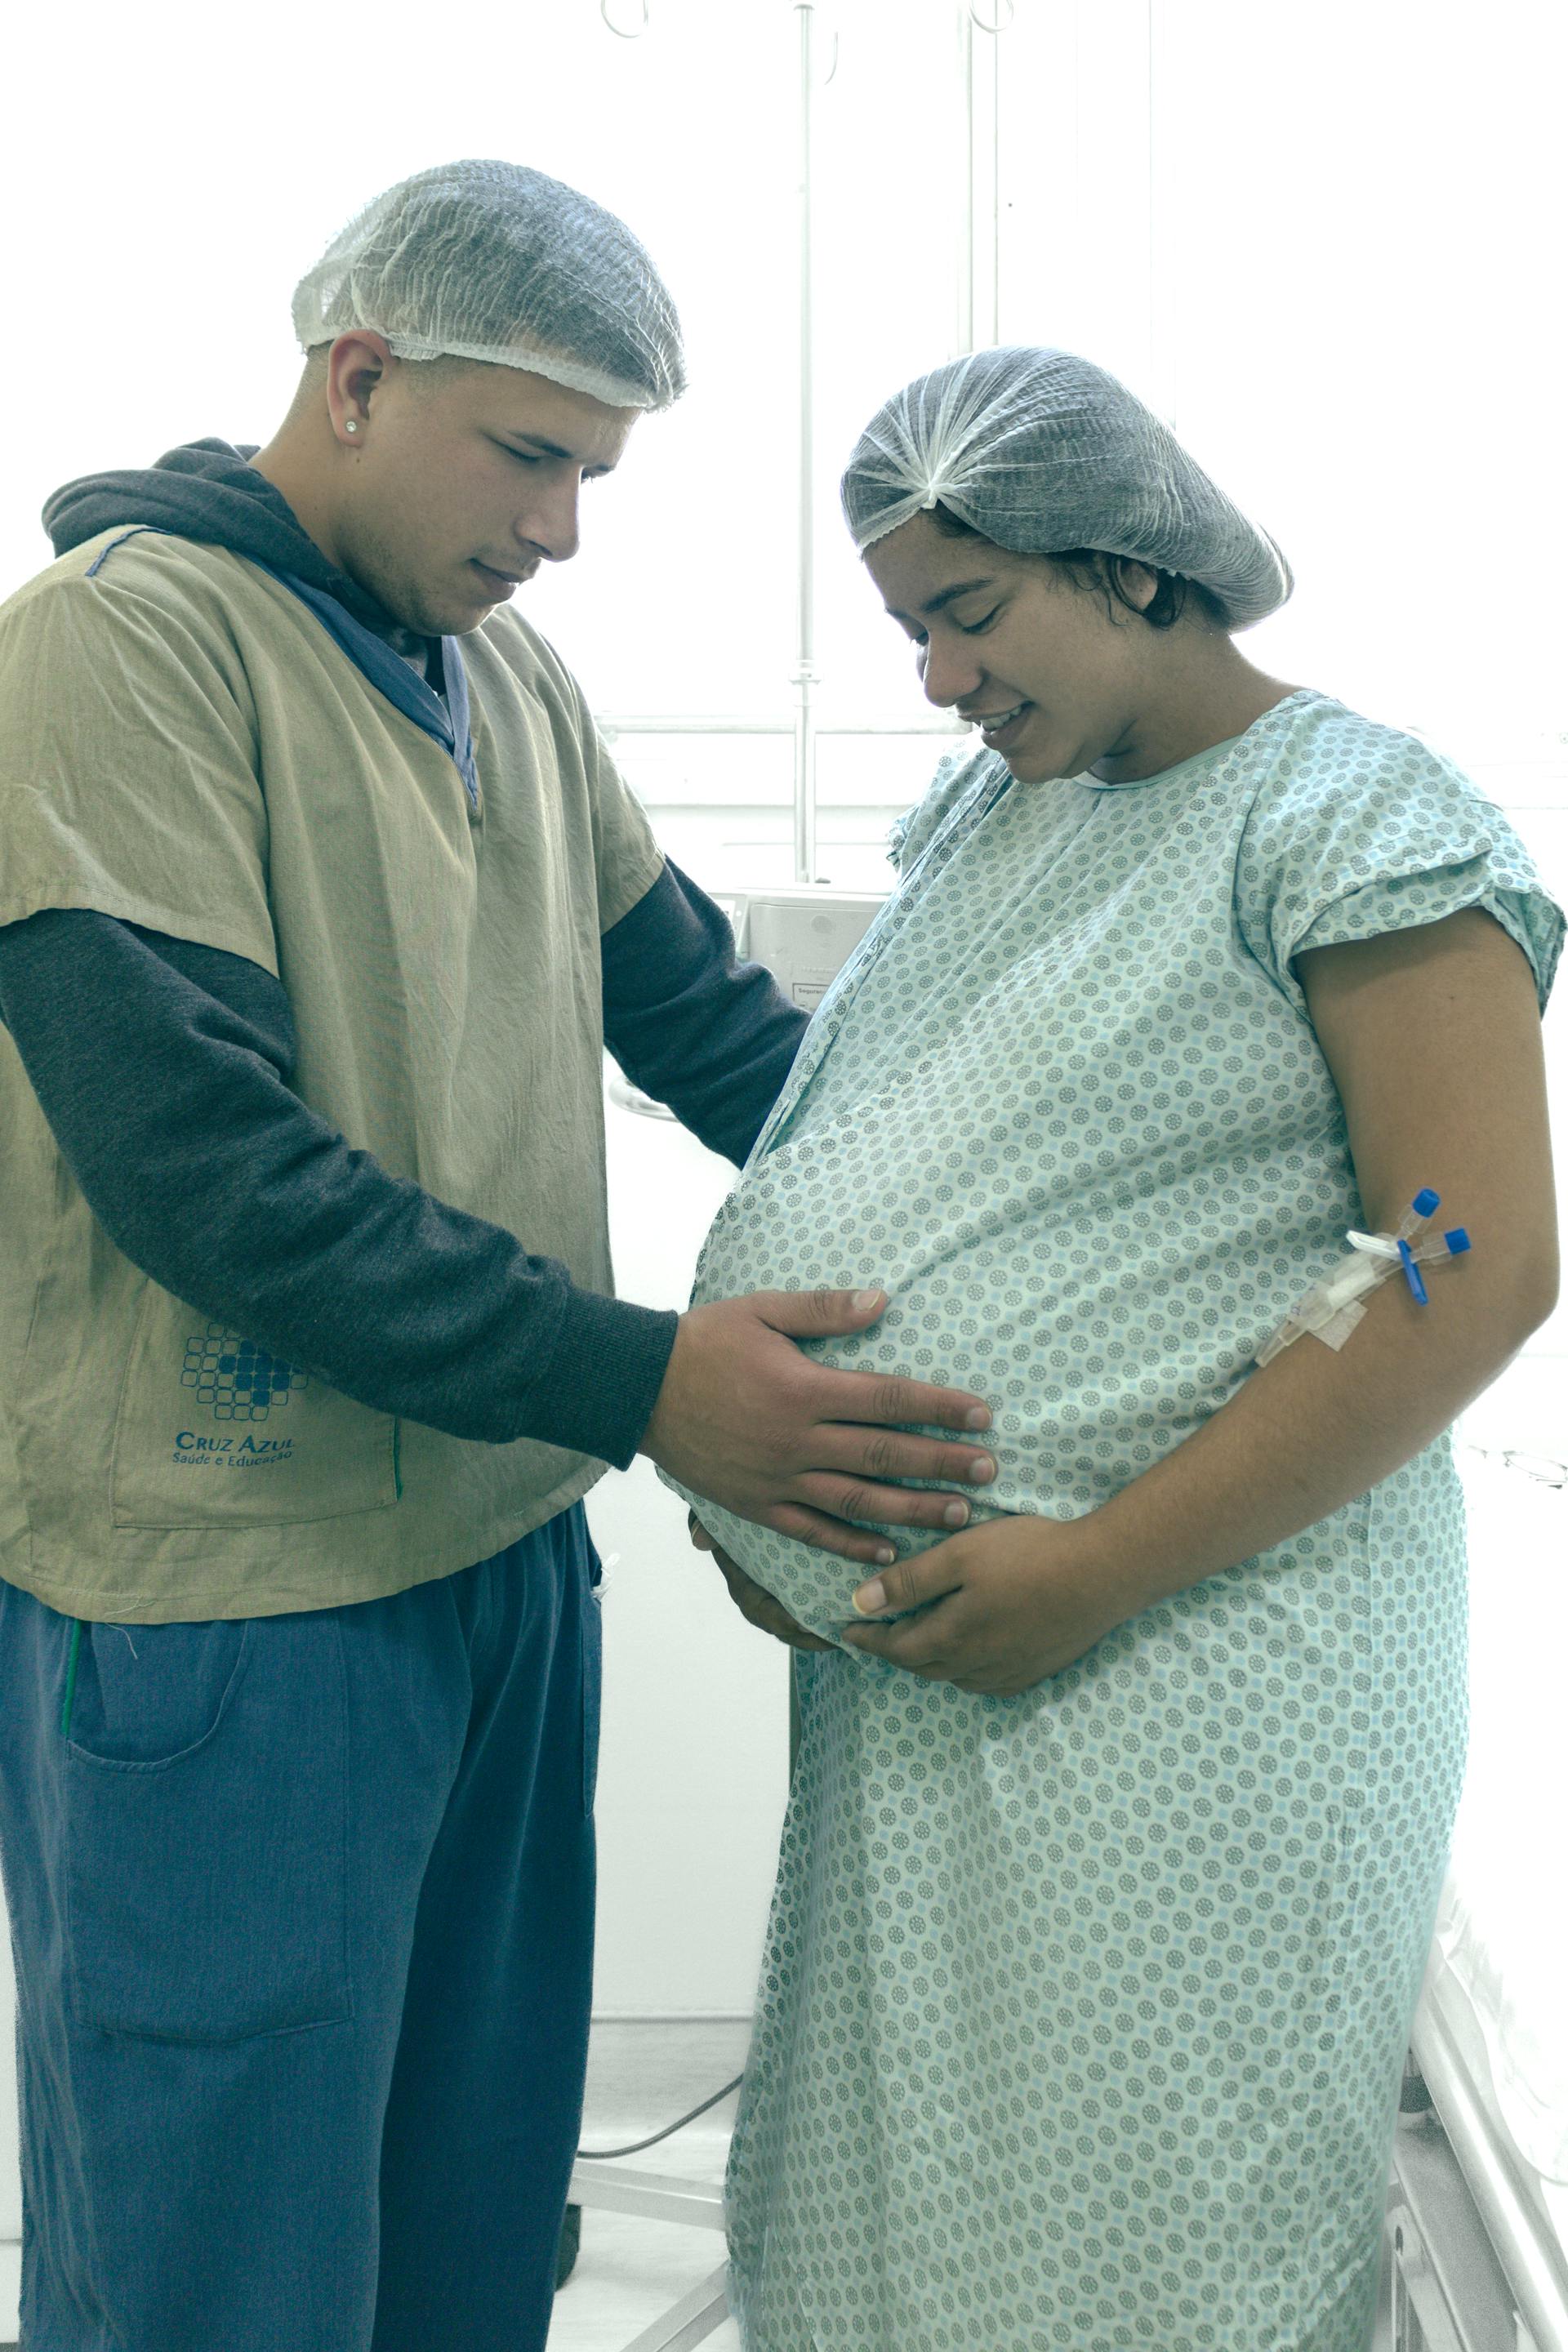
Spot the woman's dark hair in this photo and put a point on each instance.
(1091, 568)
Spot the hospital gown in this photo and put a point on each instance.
(1082, 2012)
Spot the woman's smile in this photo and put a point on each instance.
(999, 730)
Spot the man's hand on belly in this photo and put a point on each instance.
(747, 1420)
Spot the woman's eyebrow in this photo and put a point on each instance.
(947, 596)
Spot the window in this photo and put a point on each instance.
(1321, 241)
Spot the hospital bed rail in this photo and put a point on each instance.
(1475, 2269)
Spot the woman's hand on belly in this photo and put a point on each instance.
(1002, 1606)
(757, 1607)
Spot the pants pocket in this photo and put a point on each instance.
(593, 1674)
(206, 1828)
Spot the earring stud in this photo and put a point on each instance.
(351, 426)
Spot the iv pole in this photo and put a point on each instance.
(806, 675)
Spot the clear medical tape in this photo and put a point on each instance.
(1335, 1305)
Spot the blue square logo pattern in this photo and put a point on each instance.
(238, 1380)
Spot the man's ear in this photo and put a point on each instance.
(356, 364)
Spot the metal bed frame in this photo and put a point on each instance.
(1473, 2267)
(656, 2198)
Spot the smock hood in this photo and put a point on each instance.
(207, 490)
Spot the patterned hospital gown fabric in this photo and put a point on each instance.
(1082, 2013)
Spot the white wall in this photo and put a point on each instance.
(694, 1755)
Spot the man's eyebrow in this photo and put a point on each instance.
(554, 449)
(945, 597)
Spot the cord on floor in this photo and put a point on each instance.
(603, 2155)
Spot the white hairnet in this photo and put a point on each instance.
(493, 261)
(1041, 452)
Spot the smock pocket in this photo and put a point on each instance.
(206, 1823)
(214, 1430)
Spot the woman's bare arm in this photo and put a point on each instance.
(1434, 1039)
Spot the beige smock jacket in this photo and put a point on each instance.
(183, 746)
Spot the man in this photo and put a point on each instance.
(320, 900)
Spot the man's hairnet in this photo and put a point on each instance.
(492, 261)
(1040, 452)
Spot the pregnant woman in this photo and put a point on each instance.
(1113, 1852)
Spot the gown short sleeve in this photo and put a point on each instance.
(1362, 830)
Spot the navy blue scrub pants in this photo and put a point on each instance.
(303, 1911)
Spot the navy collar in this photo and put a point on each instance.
(447, 722)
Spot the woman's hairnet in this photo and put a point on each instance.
(492, 261)
(1041, 452)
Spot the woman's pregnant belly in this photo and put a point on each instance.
(980, 1293)
(1103, 1315)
